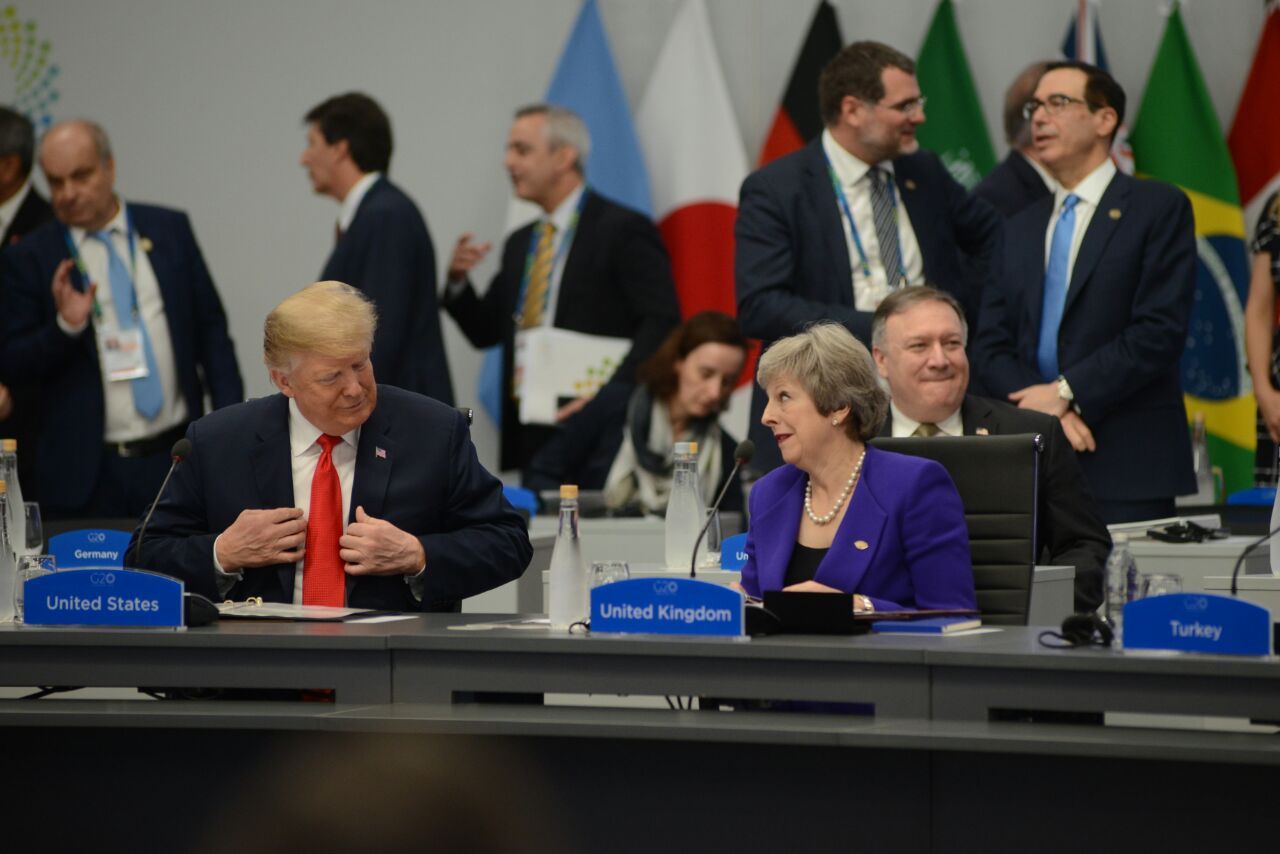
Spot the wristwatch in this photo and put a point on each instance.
(1064, 390)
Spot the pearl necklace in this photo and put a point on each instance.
(848, 488)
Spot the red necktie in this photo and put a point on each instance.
(323, 580)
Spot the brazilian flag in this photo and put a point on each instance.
(1177, 138)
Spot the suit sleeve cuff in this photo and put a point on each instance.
(224, 580)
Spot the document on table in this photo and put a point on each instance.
(255, 610)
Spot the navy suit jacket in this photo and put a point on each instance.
(415, 467)
(616, 282)
(903, 541)
(1069, 530)
(1012, 186)
(791, 262)
(387, 253)
(35, 348)
(1123, 329)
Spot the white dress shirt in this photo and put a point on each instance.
(852, 173)
(903, 426)
(123, 421)
(1089, 192)
(9, 209)
(355, 196)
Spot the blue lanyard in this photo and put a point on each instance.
(556, 259)
(84, 270)
(864, 262)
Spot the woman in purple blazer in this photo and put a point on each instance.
(841, 516)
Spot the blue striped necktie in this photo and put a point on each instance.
(1055, 289)
(148, 397)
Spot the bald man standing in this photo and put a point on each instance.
(110, 308)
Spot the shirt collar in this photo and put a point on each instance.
(849, 168)
(1089, 190)
(351, 203)
(564, 211)
(1048, 179)
(118, 224)
(303, 434)
(952, 425)
(9, 209)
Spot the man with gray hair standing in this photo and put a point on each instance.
(587, 264)
(336, 491)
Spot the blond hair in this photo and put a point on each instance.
(328, 318)
(836, 371)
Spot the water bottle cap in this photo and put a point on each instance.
(568, 490)
(685, 449)
(9, 444)
(1120, 539)
(693, 448)
(3, 488)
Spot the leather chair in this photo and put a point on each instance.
(997, 478)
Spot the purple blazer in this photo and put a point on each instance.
(903, 541)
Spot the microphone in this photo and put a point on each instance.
(1235, 572)
(180, 451)
(741, 456)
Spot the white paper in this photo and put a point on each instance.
(553, 363)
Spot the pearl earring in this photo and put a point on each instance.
(835, 422)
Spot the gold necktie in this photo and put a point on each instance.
(535, 295)
(926, 430)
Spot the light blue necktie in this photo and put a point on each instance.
(148, 397)
(1055, 289)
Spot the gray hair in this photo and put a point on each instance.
(903, 300)
(17, 136)
(564, 127)
(836, 371)
(101, 142)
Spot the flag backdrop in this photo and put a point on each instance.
(587, 82)
(798, 119)
(1177, 138)
(1257, 124)
(1083, 42)
(956, 130)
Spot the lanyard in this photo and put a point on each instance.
(556, 259)
(84, 270)
(864, 262)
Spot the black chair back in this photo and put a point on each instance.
(997, 478)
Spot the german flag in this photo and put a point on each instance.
(798, 121)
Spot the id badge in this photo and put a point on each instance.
(121, 352)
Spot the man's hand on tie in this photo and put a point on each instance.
(262, 538)
(376, 547)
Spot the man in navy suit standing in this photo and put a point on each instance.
(827, 232)
(336, 491)
(1019, 180)
(1090, 317)
(110, 308)
(382, 245)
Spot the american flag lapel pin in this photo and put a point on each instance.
(380, 453)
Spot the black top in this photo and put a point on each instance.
(803, 565)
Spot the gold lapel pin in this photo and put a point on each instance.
(982, 431)
(1114, 213)
(146, 244)
(861, 545)
(909, 184)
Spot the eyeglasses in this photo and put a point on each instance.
(1053, 105)
(907, 108)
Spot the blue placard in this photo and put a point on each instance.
(733, 552)
(103, 596)
(667, 606)
(1197, 622)
(89, 547)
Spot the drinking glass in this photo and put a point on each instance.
(1159, 583)
(29, 566)
(35, 530)
(711, 543)
(608, 571)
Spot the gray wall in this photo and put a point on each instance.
(204, 101)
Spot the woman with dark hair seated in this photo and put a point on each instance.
(621, 442)
(840, 516)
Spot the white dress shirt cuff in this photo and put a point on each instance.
(72, 331)
(225, 580)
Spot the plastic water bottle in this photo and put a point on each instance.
(686, 511)
(1122, 579)
(569, 595)
(8, 560)
(16, 514)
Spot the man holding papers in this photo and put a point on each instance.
(586, 265)
(336, 491)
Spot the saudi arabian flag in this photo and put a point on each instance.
(955, 130)
(1177, 138)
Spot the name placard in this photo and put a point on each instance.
(667, 606)
(89, 547)
(1198, 622)
(733, 552)
(103, 596)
